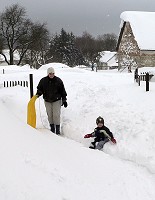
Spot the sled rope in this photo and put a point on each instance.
(41, 116)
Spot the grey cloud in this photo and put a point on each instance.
(96, 17)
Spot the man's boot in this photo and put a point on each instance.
(58, 129)
(52, 128)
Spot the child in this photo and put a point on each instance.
(102, 135)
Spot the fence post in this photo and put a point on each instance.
(136, 75)
(31, 85)
(138, 80)
(3, 71)
(147, 81)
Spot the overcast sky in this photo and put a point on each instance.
(97, 17)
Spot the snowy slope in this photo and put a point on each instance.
(36, 164)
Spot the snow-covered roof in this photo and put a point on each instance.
(143, 27)
(113, 61)
(106, 56)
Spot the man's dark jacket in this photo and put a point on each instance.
(52, 89)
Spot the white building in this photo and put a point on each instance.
(108, 60)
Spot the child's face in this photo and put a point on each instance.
(99, 125)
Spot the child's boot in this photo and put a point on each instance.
(92, 145)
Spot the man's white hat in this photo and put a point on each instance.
(50, 70)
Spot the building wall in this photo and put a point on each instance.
(129, 54)
(147, 59)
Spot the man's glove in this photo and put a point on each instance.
(88, 136)
(38, 93)
(65, 104)
(113, 140)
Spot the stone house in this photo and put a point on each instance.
(136, 43)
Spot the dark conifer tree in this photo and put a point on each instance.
(64, 50)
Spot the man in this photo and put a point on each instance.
(54, 95)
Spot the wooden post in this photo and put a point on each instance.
(147, 81)
(138, 80)
(136, 75)
(96, 68)
(31, 85)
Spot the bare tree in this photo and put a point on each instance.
(1, 44)
(36, 54)
(21, 34)
(13, 26)
(107, 42)
(89, 48)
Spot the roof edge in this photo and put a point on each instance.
(120, 35)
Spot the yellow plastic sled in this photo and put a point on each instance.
(31, 112)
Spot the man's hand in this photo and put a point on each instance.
(65, 104)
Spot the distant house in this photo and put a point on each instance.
(108, 60)
(6, 52)
(136, 43)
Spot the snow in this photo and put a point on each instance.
(6, 53)
(109, 58)
(143, 27)
(106, 56)
(37, 164)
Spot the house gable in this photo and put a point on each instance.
(128, 44)
(143, 27)
(129, 47)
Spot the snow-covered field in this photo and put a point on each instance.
(38, 165)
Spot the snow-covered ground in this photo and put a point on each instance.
(36, 164)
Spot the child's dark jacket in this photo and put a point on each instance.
(101, 133)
